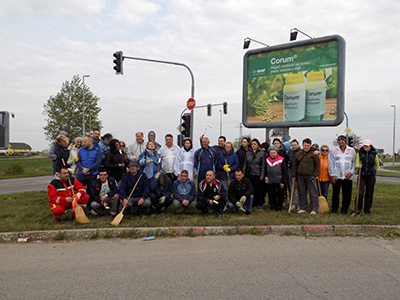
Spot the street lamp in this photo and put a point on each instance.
(247, 41)
(295, 31)
(394, 132)
(220, 122)
(83, 88)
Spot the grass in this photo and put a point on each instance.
(18, 167)
(397, 159)
(31, 211)
(395, 168)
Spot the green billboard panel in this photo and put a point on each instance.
(297, 84)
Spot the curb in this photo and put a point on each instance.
(140, 232)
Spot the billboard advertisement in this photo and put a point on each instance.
(297, 84)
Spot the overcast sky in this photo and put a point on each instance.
(45, 42)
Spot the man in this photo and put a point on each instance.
(96, 135)
(205, 159)
(211, 194)
(89, 160)
(141, 192)
(341, 163)
(184, 193)
(168, 154)
(152, 137)
(137, 147)
(105, 195)
(104, 145)
(294, 149)
(305, 170)
(160, 194)
(52, 152)
(240, 193)
(61, 193)
(219, 149)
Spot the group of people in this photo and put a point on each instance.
(104, 174)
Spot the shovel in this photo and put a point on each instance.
(120, 216)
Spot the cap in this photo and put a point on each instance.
(152, 133)
(287, 145)
(341, 137)
(367, 142)
(133, 163)
(62, 132)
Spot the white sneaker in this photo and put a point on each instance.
(313, 213)
(293, 208)
(301, 211)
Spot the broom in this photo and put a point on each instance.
(323, 204)
(291, 198)
(120, 216)
(80, 216)
(358, 191)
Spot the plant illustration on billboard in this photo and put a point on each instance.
(298, 84)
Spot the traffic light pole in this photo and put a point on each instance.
(177, 64)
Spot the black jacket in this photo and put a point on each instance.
(238, 189)
(113, 185)
(111, 164)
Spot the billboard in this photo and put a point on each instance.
(297, 84)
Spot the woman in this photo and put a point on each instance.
(368, 162)
(323, 178)
(148, 160)
(73, 156)
(254, 168)
(62, 151)
(185, 159)
(114, 161)
(241, 153)
(275, 178)
(228, 163)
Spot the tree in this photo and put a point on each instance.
(64, 110)
(238, 141)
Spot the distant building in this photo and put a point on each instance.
(18, 148)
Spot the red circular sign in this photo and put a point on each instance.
(190, 104)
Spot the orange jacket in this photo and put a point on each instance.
(324, 171)
(58, 190)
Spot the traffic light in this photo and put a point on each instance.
(351, 144)
(225, 108)
(186, 124)
(209, 110)
(119, 57)
(4, 129)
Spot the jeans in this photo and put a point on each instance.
(310, 184)
(324, 188)
(248, 204)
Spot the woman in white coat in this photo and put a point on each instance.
(185, 159)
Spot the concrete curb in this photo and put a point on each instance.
(139, 232)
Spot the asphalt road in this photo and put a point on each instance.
(216, 267)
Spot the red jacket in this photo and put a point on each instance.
(58, 190)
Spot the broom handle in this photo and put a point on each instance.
(319, 187)
(227, 174)
(69, 180)
(291, 198)
(133, 189)
(358, 191)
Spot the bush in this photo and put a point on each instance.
(14, 169)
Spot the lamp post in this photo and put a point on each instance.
(83, 113)
(394, 132)
(220, 122)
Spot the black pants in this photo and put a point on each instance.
(347, 187)
(259, 190)
(367, 184)
(217, 208)
(275, 196)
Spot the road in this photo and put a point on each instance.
(215, 267)
(28, 184)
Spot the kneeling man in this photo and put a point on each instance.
(211, 194)
(105, 195)
(240, 193)
(184, 193)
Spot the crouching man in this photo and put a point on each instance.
(184, 193)
(160, 194)
(211, 194)
(141, 192)
(105, 195)
(61, 193)
(240, 193)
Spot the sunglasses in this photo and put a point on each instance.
(324, 150)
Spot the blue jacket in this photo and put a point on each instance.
(232, 160)
(89, 159)
(160, 190)
(149, 169)
(104, 147)
(127, 183)
(184, 191)
(205, 160)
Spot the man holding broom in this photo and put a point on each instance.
(62, 194)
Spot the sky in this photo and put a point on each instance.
(44, 43)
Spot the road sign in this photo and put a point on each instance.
(347, 130)
(191, 103)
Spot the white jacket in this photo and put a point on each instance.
(341, 163)
(185, 161)
(168, 156)
(135, 149)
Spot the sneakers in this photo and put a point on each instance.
(313, 212)
(93, 212)
(293, 207)
(248, 213)
(301, 211)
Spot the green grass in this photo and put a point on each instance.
(395, 168)
(18, 167)
(31, 211)
(397, 159)
(388, 174)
